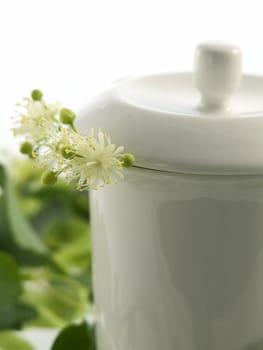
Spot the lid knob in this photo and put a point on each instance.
(217, 74)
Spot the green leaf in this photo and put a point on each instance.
(62, 232)
(58, 299)
(14, 221)
(12, 311)
(77, 337)
(10, 279)
(74, 258)
(71, 243)
(15, 314)
(10, 341)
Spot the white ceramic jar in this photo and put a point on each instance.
(178, 246)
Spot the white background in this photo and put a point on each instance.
(73, 49)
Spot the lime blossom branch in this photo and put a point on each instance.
(48, 135)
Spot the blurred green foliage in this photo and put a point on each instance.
(10, 341)
(12, 310)
(45, 257)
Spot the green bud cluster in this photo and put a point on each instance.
(127, 160)
(36, 95)
(49, 178)
(67, 116)
(26, 148)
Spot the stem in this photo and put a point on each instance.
(73, 127)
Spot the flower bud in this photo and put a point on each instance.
(127, 160)
(26, 148)
(49, 178)
(67, 116)
(36, 95)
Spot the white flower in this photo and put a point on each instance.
(30, 116)
(50, 154)
(50, 138)
(96, 163)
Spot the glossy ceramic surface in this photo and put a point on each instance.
(178, 262)
(206, 122)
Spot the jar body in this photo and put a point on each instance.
(178, 262)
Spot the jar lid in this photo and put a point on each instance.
(206, 122)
